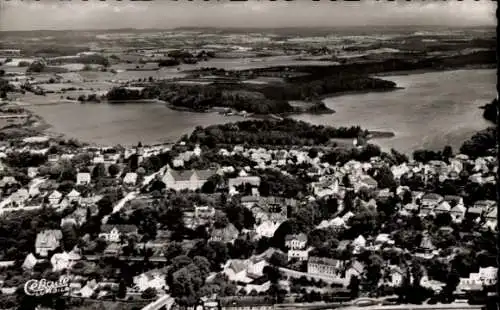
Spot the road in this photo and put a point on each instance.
(120, 204)
(165, 301)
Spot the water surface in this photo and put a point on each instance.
(433, 110)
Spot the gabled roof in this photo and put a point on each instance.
(300, 237)
(356, 265)
(324, 261)
(458, 209)
(492, 213)
(185, 175)
(55, 194)
(444, 206)
(432, 196)
(484, 204)
(74, 193)
(475, 210)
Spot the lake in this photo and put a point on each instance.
(126, 124)
(433, 109)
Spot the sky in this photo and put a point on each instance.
(94, 14)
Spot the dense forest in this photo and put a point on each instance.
(258, 99)
(272, 132)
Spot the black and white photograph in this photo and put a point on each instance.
(249, 155)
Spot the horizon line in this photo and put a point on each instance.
(251, 28)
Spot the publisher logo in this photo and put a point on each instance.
(44, 287)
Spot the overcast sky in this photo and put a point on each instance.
(93, 14)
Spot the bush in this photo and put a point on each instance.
(149, 293)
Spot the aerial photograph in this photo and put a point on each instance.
(248, 155)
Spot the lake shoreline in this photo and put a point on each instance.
(152, 136)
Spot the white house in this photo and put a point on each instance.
(55, 197)
(359, 243)
(47, 240)
(113, 233)
(64, 260)
(151, 279)
(301, 255)
(74, 195)
(296, 242)
(130, 178)
(186, 179)
(83, 178)
(32, 172)
(29, 262)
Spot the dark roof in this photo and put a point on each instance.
(185, 175)
(356, 265)
(452, 198)
(121, 228)
(324, 261)
(204, 174)
(432, 196)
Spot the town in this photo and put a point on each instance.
(213, 223)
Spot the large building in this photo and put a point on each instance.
(324, 266)
(186, 179)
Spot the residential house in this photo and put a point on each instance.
(383, 239)
(454, 200)
(226, 234)
(324, 266)
(491, 219)
(478, 280)
(114, 233)
(29, 262)
(88, 290)
(77, 218)
(296, 242)
(443, 207)
(236, 270)
(47, 240)
(186, 179)
(32, 172)
(458, 213)
(83, 178)
(242, 179)
(484, 205)
(255, 268)
(354, 269)
(74, 196)
(300, 254)
(393, 276)
(359, 244)
(130, 178)
(271, 208)
(52, 158)
(365, 181)
(201, 215)
(488, 275)
(433, 285)
(150, 279)
(7, 181)
(113, 249)
(64, 260)
(431, 200)
(55, 198)
(20, 197)
(267, 228)
(426, 243)
(337, 224)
